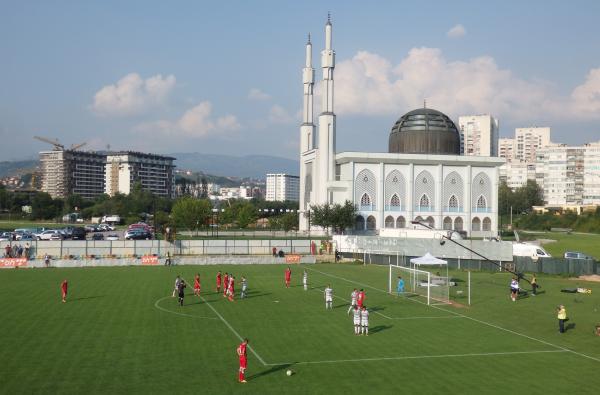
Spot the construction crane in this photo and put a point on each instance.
(57, 145)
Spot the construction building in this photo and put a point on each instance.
(67, 172)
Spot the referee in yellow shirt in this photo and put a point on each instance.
(562, 317)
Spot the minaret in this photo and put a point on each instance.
(326, 166)
(307, 130)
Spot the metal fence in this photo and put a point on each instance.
(75, 249)
(559, 266)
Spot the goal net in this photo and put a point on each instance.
(421, 283)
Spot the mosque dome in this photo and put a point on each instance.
(424, 131)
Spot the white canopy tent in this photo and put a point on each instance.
(437, 284)
(428, 260)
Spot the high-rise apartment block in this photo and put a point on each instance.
(478, 135)
(591, 174)
(528, 141)
(559, 172)
(506, 149)
(153, 172)
(281, 187)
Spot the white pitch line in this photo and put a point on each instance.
(466, 316)
(234, 331)
(177, 313)
(489, 354)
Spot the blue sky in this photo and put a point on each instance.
(224, 77)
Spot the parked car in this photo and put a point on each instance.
(112, 237)
(138, 234)
(141, 225)
(530, 250)
(97, 236)
(28, 237)
(106, 227)
(5, 236)
(78, 233)
(52, 234)
(91, 228)
(577, 255)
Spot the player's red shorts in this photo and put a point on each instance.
(359, 303)
(64, 294)
(243, 362)
(196, 286)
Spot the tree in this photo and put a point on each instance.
(246, 215)
(338, 217)
(189, 213)
(44, 207)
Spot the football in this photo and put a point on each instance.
(289, 372)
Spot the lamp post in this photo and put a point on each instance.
(442, 242)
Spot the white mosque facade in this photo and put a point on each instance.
(422, 178)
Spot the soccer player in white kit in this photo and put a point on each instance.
(364, 321)
(353, 296)
(244, 287)
(305, 280)
(357, 316)
(328, 297)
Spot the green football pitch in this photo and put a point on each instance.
(122, 332)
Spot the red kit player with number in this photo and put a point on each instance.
(219, 281)
(63, 287)
(231, 290)
(225, 284)
(241, 352)
(288, 277)
(360, 300)
(197, 285)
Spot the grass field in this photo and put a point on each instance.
(121, 332)
(587, 243)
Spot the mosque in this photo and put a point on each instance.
(423, 177)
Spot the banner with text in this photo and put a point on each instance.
(149, 260)
(13, 262)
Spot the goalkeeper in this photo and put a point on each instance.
(400, 286)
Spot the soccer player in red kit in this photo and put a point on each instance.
(225, 284)
(63, 287)
(241, 352)
(231, 290)
(360, 300)
(197, 285)
(288, 277)
(219, 281)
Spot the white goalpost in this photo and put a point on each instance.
(435, 288)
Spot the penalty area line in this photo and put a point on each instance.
(234, 332)
(409, 357)
(156, 304)
(465, 316)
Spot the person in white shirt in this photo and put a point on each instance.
(353, 297)
(357, 316)
(328, 297)
(514, 289)
(176, 290)
(244, 287)
(364, 321)
(305, 280)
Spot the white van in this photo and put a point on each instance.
(531, 250)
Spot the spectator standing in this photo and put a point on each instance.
(562, 317)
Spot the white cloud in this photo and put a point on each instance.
(586, 97)
(369, 84)
(196, 122)
(257, 94)
(457, 31)
(280, 115)
(132, 95)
